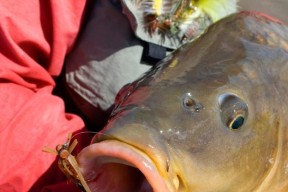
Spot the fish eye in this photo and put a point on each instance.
(236, 122)
(189, 103)
(233, 111)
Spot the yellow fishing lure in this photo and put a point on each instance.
(174, 22)
(68, 163)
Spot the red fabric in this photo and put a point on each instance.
(35, 36)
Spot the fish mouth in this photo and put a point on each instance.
(112, 165)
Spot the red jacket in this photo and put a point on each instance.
(35, 36)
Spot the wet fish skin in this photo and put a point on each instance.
(180, 113)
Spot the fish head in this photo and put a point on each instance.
(209, 117)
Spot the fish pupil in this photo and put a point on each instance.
(237, 123)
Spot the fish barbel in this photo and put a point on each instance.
(212, 116)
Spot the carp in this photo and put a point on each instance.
(209, 117)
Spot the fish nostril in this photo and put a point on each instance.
(190, 104)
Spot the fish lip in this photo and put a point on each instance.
(129, 155)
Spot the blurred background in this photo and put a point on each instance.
(275, 8)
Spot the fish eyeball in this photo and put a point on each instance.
(233, 111)
(236, 122)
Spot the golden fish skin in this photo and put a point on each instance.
(210, 117)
